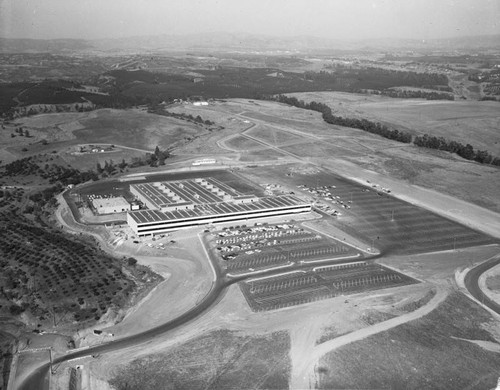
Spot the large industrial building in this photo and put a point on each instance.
(181, 204)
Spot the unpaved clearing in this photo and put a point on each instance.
(303, 374)
(470, 121)
(346, 150)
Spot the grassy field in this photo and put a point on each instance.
(221, 359)
(242, 143)
(90, 160)
(134, 129)
(434, 169)
(131, 128)
(472, 122)
(434, 352)
(274, 136)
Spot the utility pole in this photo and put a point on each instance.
(52, 370)
(392, 216)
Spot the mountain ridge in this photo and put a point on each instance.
(244, 42)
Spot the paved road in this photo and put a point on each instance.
(304, 374)
(471, 282)
(38, 380)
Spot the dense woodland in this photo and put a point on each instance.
(124, 89)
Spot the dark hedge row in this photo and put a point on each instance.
(426, 141)
(362, 124)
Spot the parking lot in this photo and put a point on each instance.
(249, 248)
(371, 213)
(319, 283)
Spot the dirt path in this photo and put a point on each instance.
(305, 354)
(187, 280)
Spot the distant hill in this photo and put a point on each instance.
(241, 42)
(43, 45)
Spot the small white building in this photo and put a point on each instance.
(111, 205)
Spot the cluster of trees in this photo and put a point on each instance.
(362, 124)
(109, 167)
(426, 141)
(154, 109)
(53, 172)
(155, 159)
(42, 198)
(407, 94)
(351, 78)
(21, 132)
(464, 151)
(22, 167)
(158, 157)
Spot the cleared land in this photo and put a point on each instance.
(62, 131)
(416, 355)
(341, 148)
(468, 122)
(218, 360)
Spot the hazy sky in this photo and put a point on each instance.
(339, 19)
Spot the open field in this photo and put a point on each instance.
(273, 135)
(243, 144)
(468, 122)
(340, 148)
(321, 282)
(130, 128)
(442, 350)
(218, 360)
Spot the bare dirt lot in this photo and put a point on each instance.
(339, 148)
(416, 355)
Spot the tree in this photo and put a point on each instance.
(99, 168)
(123, 164)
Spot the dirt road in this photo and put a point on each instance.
(305, 354)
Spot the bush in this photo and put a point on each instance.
(15, 309)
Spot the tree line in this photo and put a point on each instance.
(425, 141)
(361, 124)
(408, 94)
(464, 151)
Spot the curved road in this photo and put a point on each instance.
(471, 282)
(38, 379)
